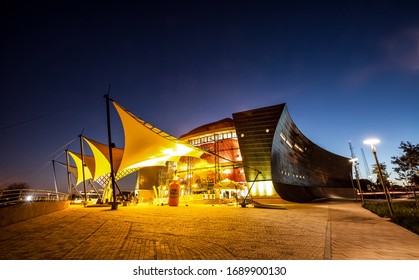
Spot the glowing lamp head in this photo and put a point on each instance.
(372, 141)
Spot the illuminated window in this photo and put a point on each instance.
(298, 148)
(283, 137)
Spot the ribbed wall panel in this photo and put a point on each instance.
(303, 171)
(255, 131)
(299, 169)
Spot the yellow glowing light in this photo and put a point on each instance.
(168, 152)
(260, 188)
(182, 149)
(161, 161)
(154, 142)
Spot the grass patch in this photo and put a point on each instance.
(406, 214)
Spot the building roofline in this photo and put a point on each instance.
(221, 125)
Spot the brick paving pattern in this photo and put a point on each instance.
(341, 231)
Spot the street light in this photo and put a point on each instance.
(372, 142)
(354, 161)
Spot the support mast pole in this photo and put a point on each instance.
(83, 164)
(68, 174)
(108, 117)
(55, 179)
(355, 164)
(248, 192)
(380, 176)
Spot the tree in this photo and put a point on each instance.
(408, 163)
(17, 186)
(384, 172)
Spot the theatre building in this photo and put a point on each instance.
(219, 172)
(263, 151)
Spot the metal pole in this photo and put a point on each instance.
(55, 179)
(100, 198)
(68, 174)
(108, 117)
(380, 175)
(244, 201)
(82, 163)
(353, 186)
(358, 183)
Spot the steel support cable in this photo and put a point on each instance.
(45, 115)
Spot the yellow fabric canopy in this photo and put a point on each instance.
(146, 145)
(102, 158)
(79, 164)
(72, 169)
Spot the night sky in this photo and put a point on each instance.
(348, 70)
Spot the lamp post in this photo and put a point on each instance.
(355, 162)
(372, 142)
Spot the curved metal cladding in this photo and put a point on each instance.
(255, 131)
(300, 170)
(303, 171)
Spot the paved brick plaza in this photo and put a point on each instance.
(205, 232)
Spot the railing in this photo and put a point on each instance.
(208, 196)
(393, 194)
(10, 197)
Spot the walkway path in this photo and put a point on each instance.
(338, 231)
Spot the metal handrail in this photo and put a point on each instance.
(11, 197)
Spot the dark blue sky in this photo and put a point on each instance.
(347, 70)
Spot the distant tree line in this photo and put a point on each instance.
(406, 167)
(17, 186)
